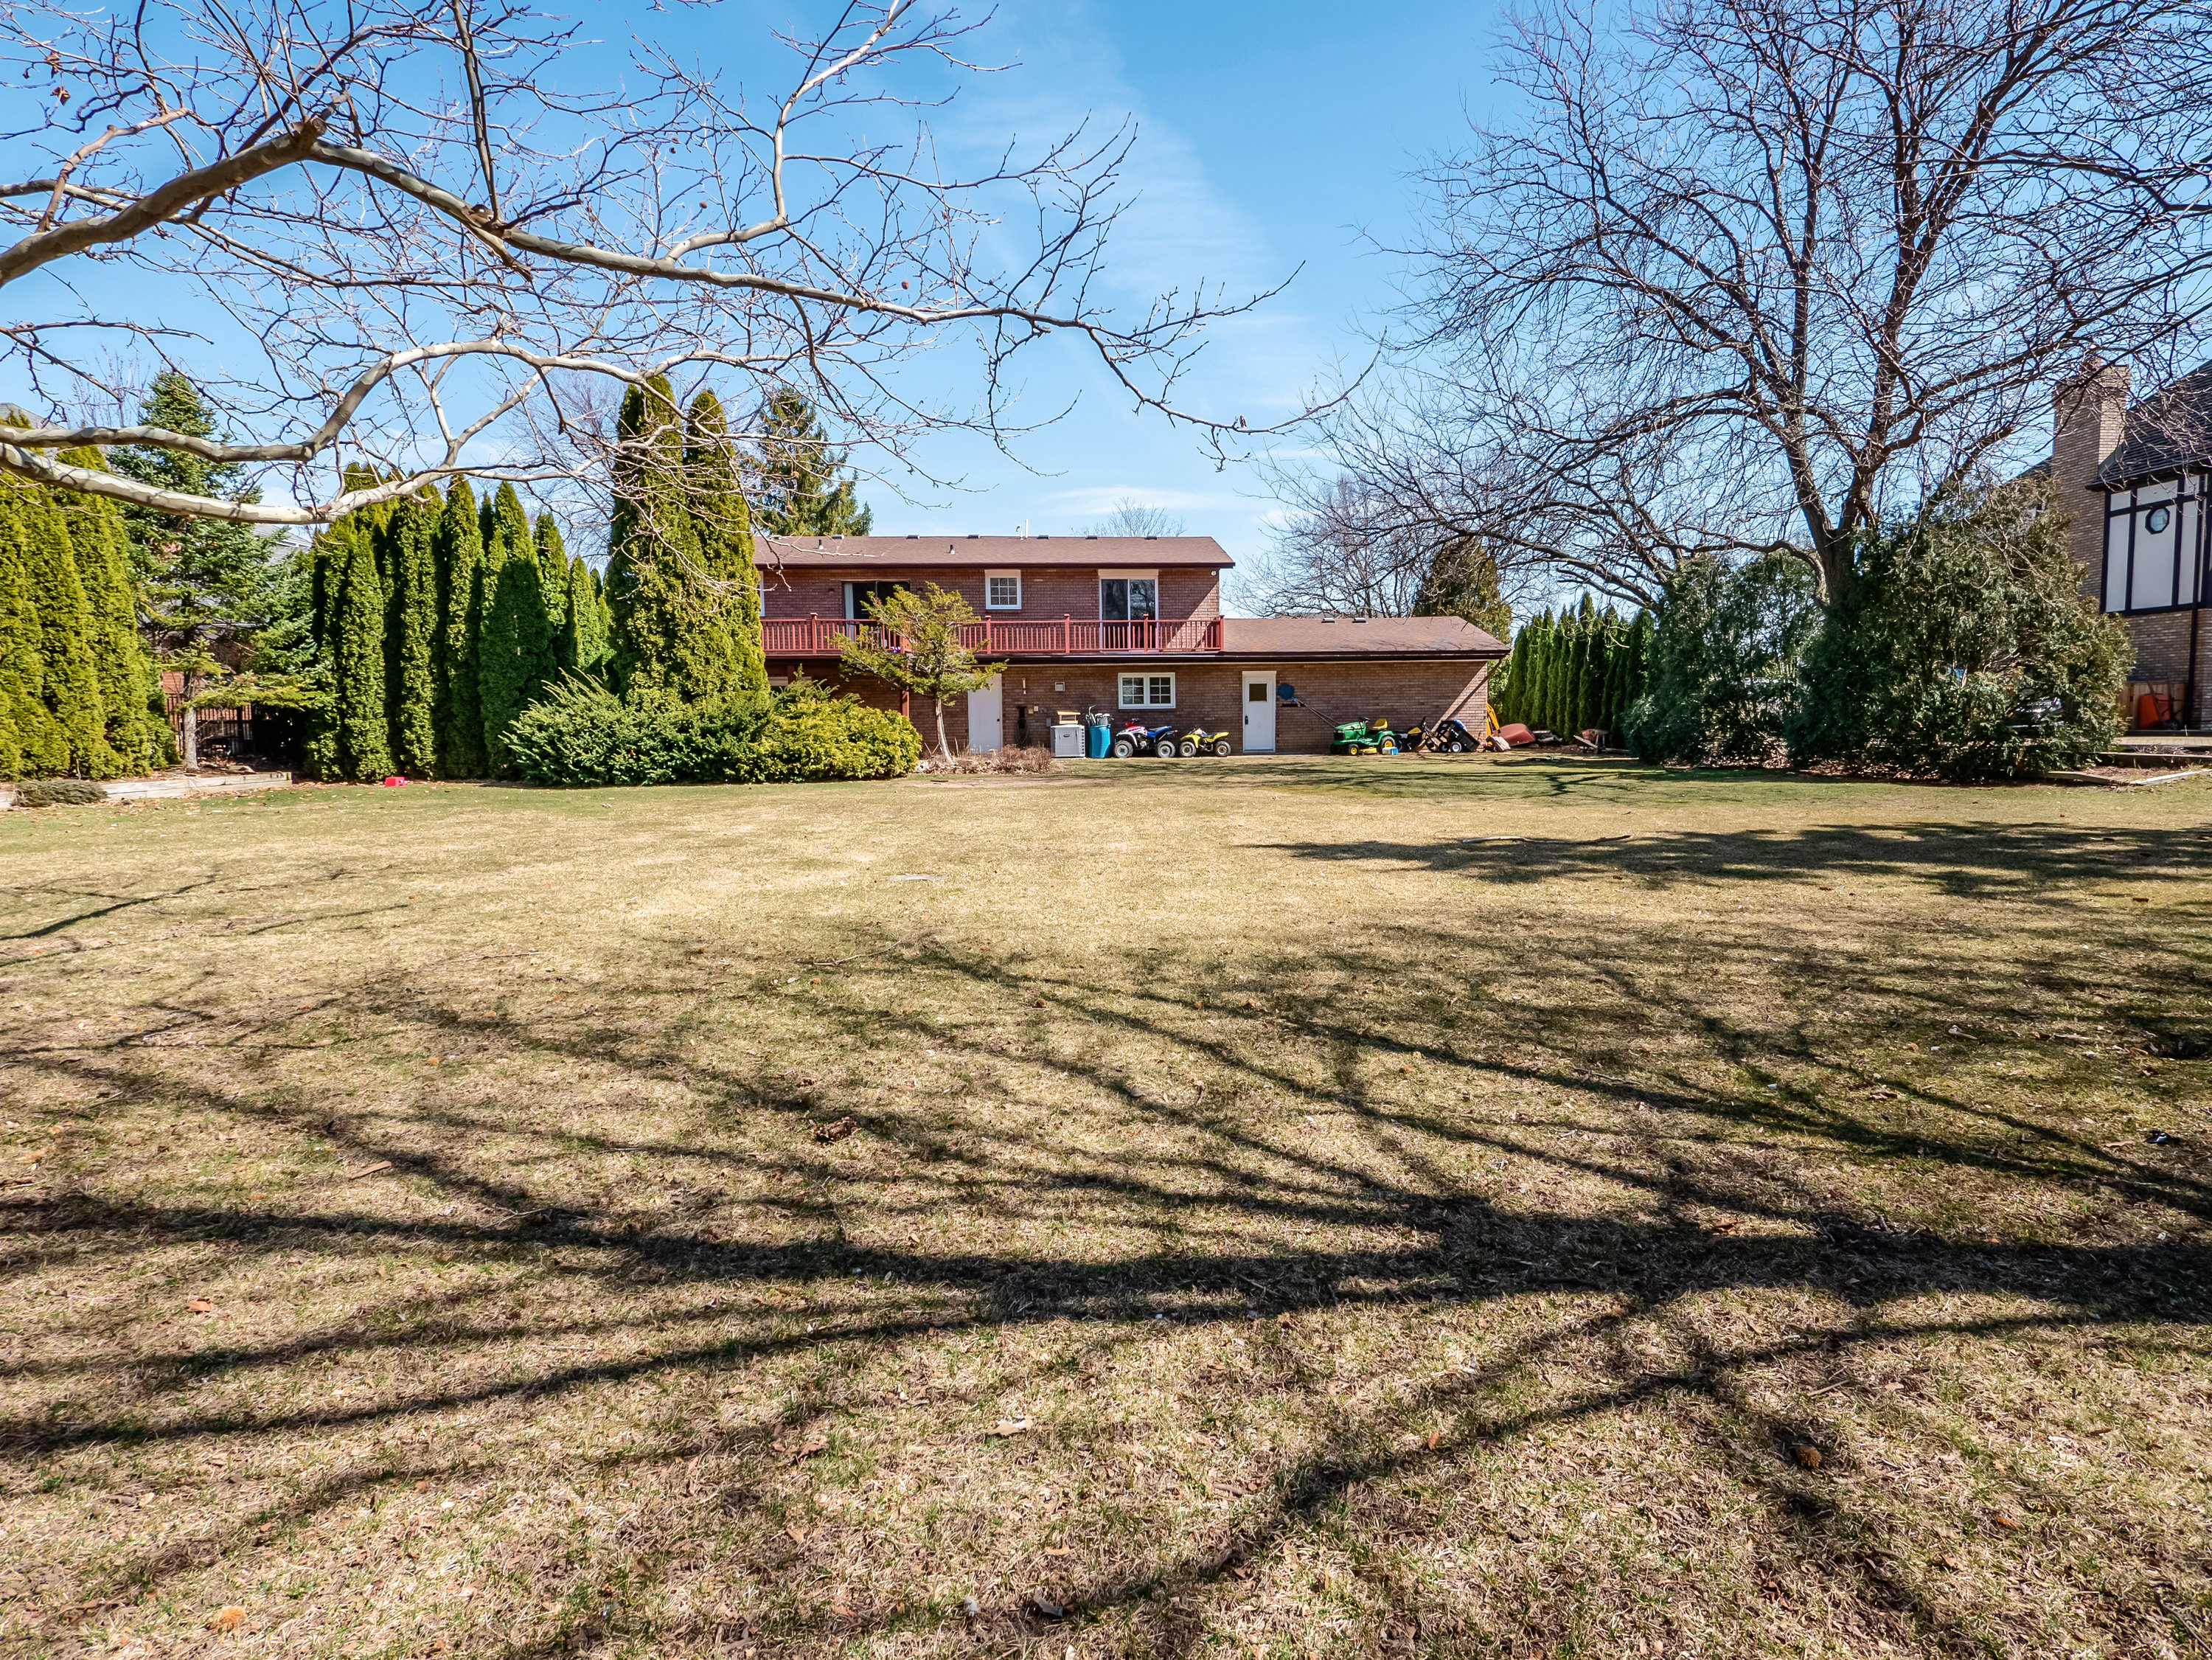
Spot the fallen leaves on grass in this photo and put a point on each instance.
(226, 1619)
(836, 1130)
(200, 1306)
(1009, 1427)
(368, 1169)
(1808, 1456)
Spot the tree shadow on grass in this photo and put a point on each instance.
(1227, 1206)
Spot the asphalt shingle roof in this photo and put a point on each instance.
(2167, 431)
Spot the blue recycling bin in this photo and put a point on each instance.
(1101, 739)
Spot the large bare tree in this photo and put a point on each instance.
(441, 235)
(1746, 274)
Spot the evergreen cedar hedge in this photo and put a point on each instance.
(78, 694)
(579, 733)
(1578, 670)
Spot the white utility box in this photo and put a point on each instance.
(1067, 742)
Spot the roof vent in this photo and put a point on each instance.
(1152, 539)
(1091, 538)
(914, 536)
(971, 536)
(1359, 619)
(1046, 536)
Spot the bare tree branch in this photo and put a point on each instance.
(291, 173)
(1751, 275)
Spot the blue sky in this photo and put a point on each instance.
(1270, 138)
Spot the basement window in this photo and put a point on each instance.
(1148, 691)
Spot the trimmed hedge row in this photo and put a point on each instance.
(579, 734)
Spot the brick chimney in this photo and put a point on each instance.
(2089, 410)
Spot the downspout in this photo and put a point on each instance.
(2192, 718)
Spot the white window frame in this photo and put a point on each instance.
(991, 576)
(1147, 685)
(1151, 576)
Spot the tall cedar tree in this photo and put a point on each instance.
(31, 747)
(411, 634)
(799, 486)
(552, 554)
(723, 526)
(671, 627)
(584, 646)
(102, 540)
(202, 581)
(65, 630)
(457, 553)
(514, 653)
(362, 719)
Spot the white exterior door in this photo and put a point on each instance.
(1258, 713)
(986, 717)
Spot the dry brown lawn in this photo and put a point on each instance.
(1199, 1208)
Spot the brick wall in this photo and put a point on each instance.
(1210, 694)
(2088, 411)
(2162, 653)
(1054, 593)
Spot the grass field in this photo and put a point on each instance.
(1199, 1208)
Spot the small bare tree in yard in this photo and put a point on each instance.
(1749, 275)
(917, 645)
(445, 235)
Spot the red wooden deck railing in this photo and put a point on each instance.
(1068, 637)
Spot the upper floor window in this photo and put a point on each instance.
(1129, 596)
(858, 594)
(1002, 590)
(2155, 544)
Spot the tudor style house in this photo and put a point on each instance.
(2137, 482)
(1131, 625)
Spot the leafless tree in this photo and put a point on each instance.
(1339, 552)
(1753, 273)
(1130, 517)
(443, 234)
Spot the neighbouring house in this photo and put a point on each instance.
(1131, 625)
(2137, 482)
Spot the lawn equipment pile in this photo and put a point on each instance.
(1446, 736)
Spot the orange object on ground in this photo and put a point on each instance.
(1516, 734)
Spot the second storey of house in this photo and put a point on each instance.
(1162, 580)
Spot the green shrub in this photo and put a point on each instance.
(59, 792)
(580, 733)
(1721, 676)
(814, 735)
(1962, 647)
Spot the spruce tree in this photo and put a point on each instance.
(71, 674)
(799, 486)
(127, 680)
(363, 748)
(723, 527)
(411, 635)
(30, 744)
(515, 651)
(202, 581)
(457, 552)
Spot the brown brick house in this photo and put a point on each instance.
(2137, 482)
(1132, 625)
